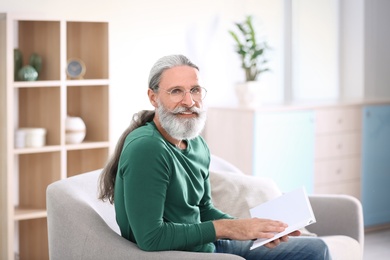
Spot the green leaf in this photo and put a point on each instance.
(251, 52)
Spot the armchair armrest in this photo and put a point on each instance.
(337, 215)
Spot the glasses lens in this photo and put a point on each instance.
(197, 94)
(177, 94)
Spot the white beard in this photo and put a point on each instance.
(181, 128)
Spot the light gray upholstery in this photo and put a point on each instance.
(82, 227)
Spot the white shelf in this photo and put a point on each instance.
(29, 213)
(87, 145)
(45, 149)
(88, 82)
(35, 84)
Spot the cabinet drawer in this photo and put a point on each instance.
(328, 146)
(338, 170)
(338, 120)
(350, 188)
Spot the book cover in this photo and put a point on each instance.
(292, 208)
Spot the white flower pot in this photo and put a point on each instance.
(249, 93)
(75, 130)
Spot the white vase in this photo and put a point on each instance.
(30, 137)
(248, 93)
(75, 130)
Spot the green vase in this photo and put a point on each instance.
(18, 62)
(36, 62)
(27, 73)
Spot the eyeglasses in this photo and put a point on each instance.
(178, 94)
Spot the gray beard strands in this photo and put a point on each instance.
(181, 128)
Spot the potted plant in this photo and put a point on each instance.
(253, 57)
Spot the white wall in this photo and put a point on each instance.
(376, 48)
(337, 48)
(352, 48)
(143, 31)
(315, 49)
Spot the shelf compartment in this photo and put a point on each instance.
(43, 38)
(35, 176)
(91, 104)
(40, 107)
(88, 41)
(33, 239)
(81, 161)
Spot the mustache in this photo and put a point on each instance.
(187, 109)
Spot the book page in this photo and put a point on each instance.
(292, 208)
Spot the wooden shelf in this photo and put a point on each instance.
(87, 145)
(29, 213)
(45, 103)
(35, 84)
(45, 149)
(87, 82)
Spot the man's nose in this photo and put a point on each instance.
(188, 100)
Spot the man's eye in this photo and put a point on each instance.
(196, 90)
(176, 91)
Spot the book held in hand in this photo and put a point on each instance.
(292, 208)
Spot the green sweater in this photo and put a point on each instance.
(162, 194)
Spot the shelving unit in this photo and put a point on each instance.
(45, 103)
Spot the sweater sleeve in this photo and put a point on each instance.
(145, 185)
(207, 210)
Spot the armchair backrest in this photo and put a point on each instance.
(73, 212)
(82, 227)
(219, 164)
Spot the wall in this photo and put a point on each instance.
(324, 49)
(315, 49)
(143, 31)
(376, 48)
(352, 48)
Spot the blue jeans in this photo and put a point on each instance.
(300, 248)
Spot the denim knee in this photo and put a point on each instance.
(321, 250)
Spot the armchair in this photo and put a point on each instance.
(82, 227)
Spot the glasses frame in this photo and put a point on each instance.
(185, 92)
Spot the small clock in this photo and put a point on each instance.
(75, 69)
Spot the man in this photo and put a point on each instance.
(160, 180)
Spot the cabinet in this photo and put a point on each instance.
(376, 165)
(275, 144)
(335, 148)
(338, 150)
(45, 103)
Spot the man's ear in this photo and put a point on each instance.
(152, 98)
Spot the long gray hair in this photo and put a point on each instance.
(108, 176)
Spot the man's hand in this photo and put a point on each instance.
(247, 229)
(277, 241)
(252, 228)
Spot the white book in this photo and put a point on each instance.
(292, 208)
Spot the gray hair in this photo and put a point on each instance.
(164, 63)
(108, 176)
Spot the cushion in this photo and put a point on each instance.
(236, 193)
